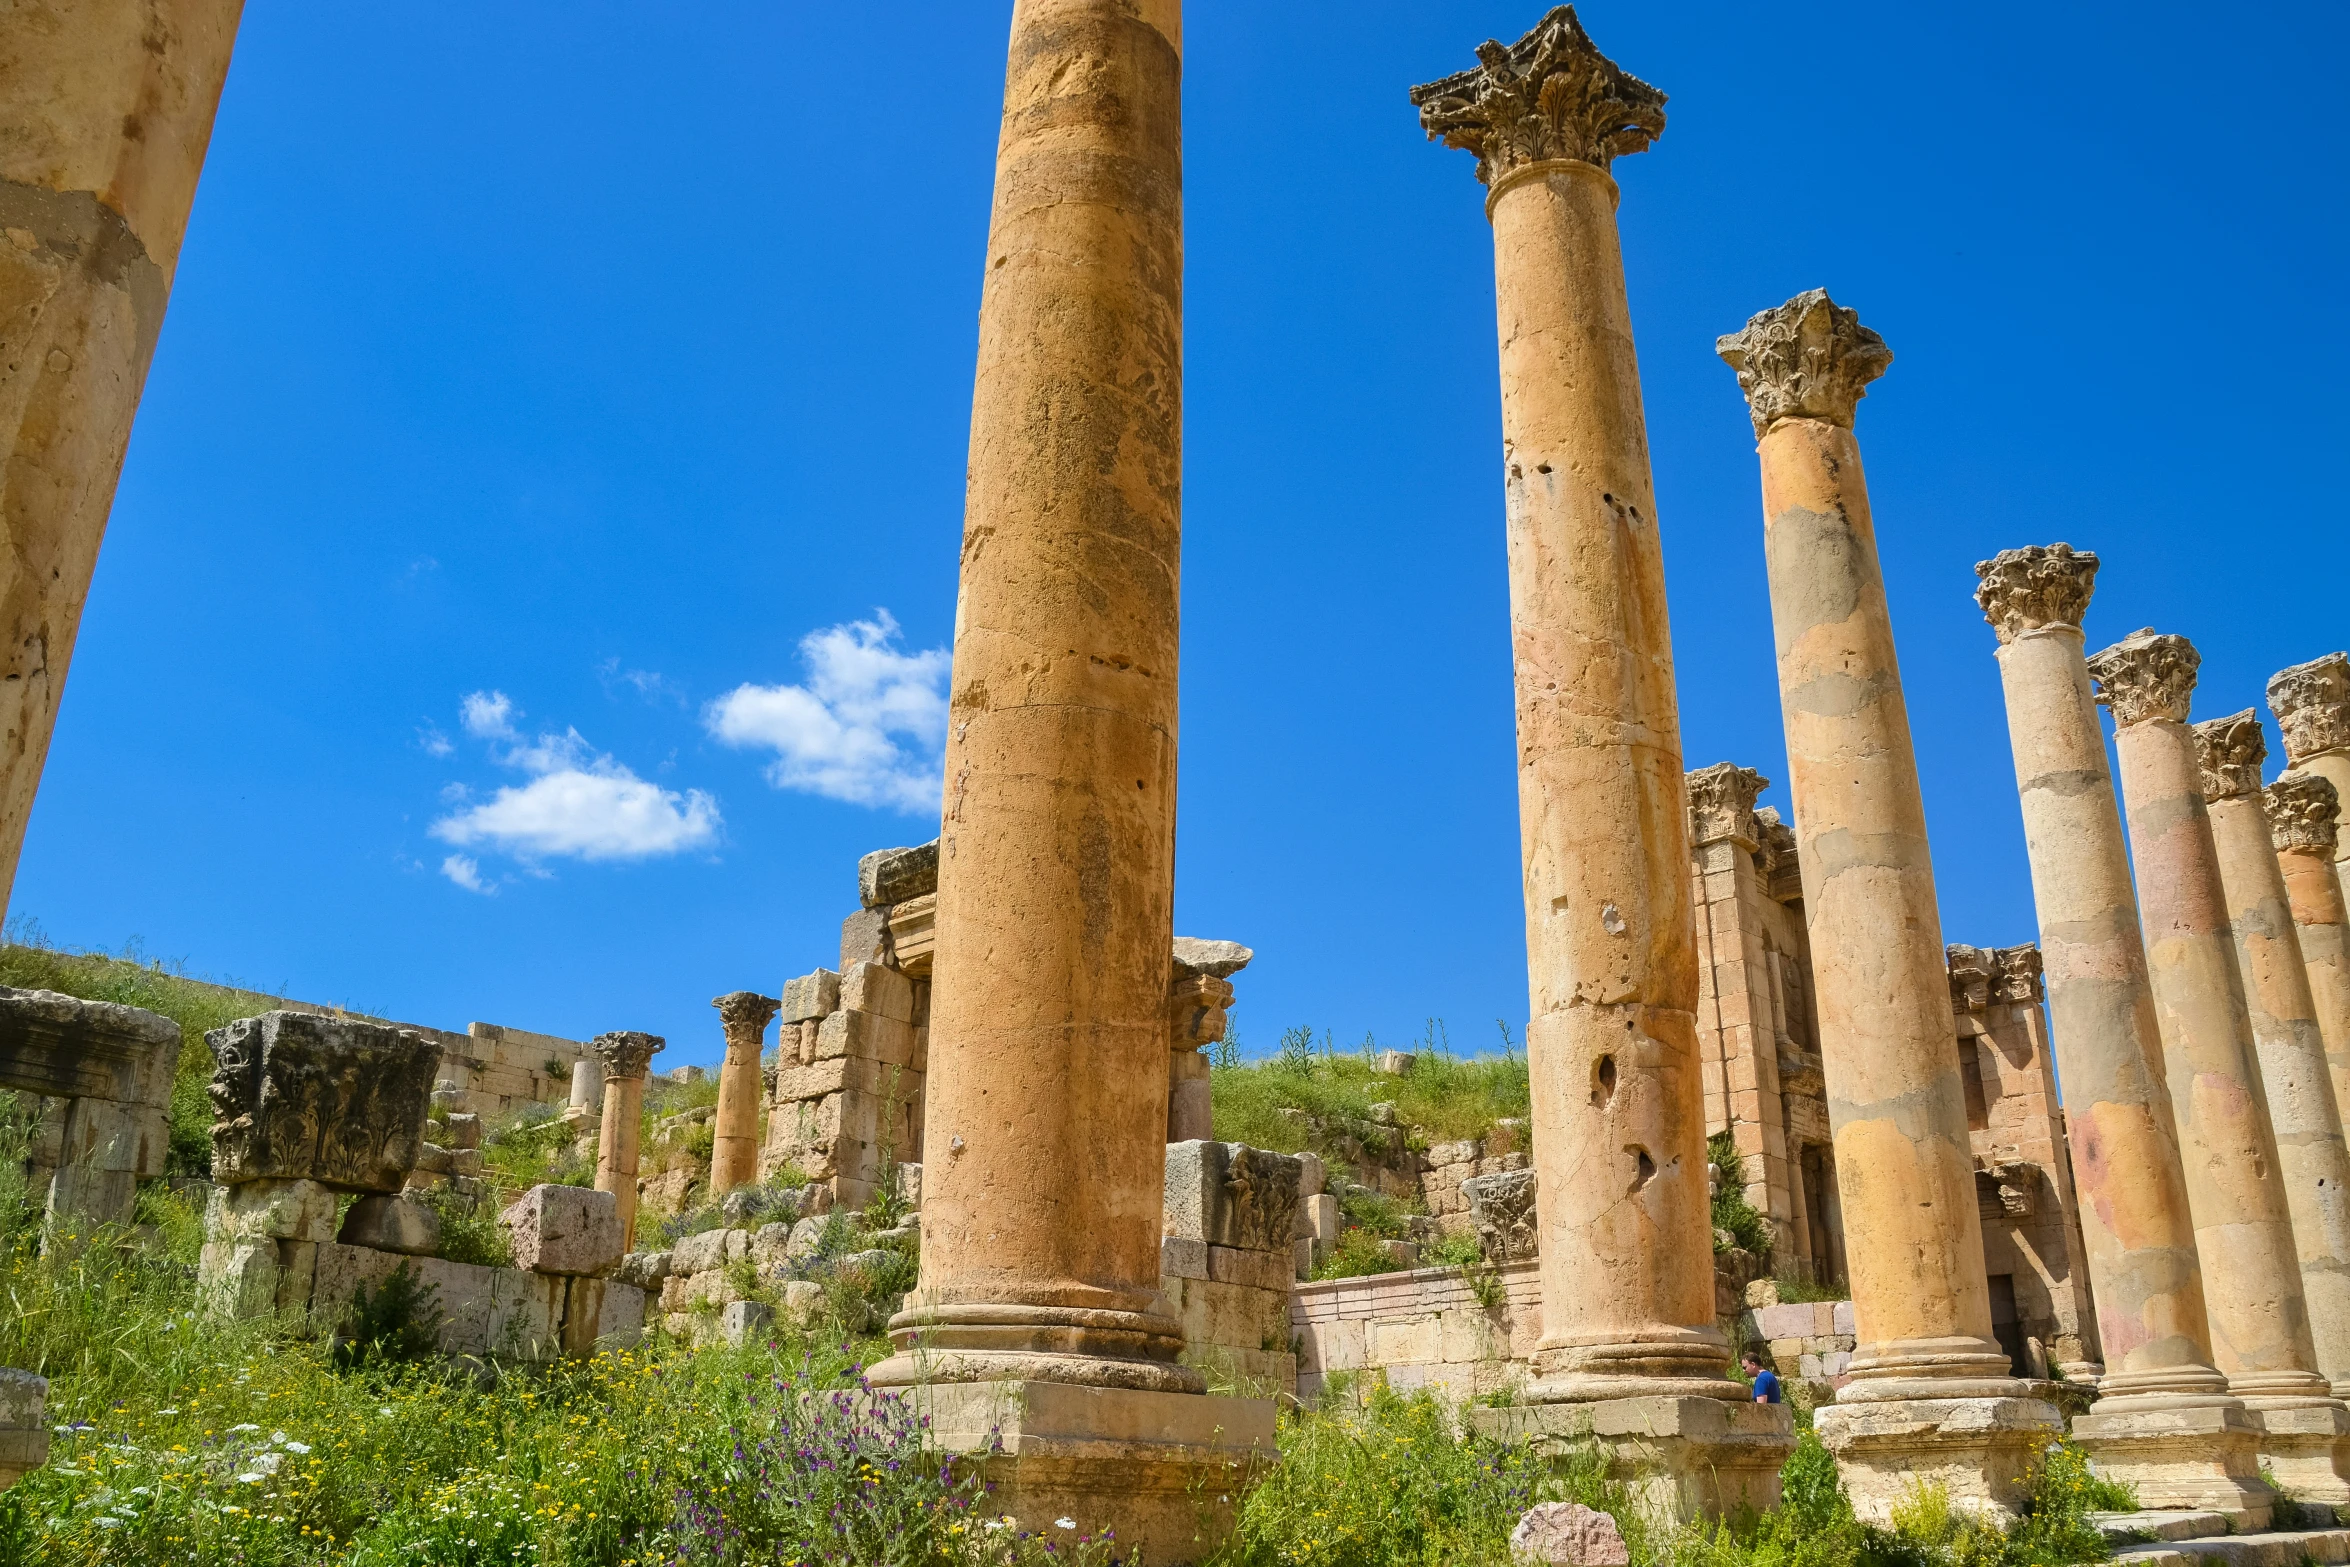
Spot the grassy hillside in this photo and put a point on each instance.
(1294, 1099)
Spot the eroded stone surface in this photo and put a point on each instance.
(2146, 675)
(1809, 358)
(1502, 1208)
(2312, 704)
(2035, 587)
(335, 1100)
(1551, 95)
(402, 1224)
(888, 876)
(566, 1230)
(1569, 1533)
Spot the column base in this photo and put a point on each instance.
(1164, 1471)
(1683, 1458)
(2200, 1458)
(1979, 1450)
(2306, 1445)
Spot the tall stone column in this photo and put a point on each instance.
(2303, 817)
(2302, 1110)
(1931, 1394)
(1046, 1114)
(2312, 704)
(108, 106)
(627, 1057)
(2235, 1184)
(734, 1145)
(2164, 1420)
(1618, 1110)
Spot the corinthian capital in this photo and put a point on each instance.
(2304, 812)
(2019, 975)
(2312, 704)
(2039, 585)
(1550, 96)
(745, 1014)
(1721, 802)
(626, 1053)
(1809, 359)
(2146, 675)
(1973, 972)
(2231, 750)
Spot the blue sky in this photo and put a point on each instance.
(527, 588)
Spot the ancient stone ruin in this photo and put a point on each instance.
(99, 1076)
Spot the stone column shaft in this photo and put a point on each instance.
(2164, 1418)
(734, 1146)
(1047, 1094)
(1896, 1103)
(627, 1058)
(2295, 1076)
(109, 107)
(1618, 1104)
(2303, 812)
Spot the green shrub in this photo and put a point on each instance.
(1732, 1213)
(470, 1231)
(1358, 1254)
(395, 1323)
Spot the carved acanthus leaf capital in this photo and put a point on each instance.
(1808, 359)
(1973, 973)
(745, 1014)
(2020, 982)
(2230, 751)
(626, 1053)
(1550, 96)
(2304, 814)
(2040, 585)
(2146, 675)
(2312, 704)
(1721, 802)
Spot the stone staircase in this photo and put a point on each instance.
(2198, 1539)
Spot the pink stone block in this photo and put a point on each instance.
(564, 1230)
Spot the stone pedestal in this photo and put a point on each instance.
(2203, 1456)
(2291, 1047)
(1937, 1395)
(109, 107)
(734, 1147)
(1683, 1458)
(1164, 1471)
(2312, 704)
(1618, 1106)
(627, 1057)
(2166, 1421)
(1980, 1451)
(2306, 1445)
(2260, 1323)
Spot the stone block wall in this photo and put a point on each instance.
(847, 1095)
(1811, 1342)
(492, 1070)
(1446, 1166)
(1421, 1329)
(99, 1079)
(1236, 1221)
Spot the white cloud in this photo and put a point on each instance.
(488, 715)
(434, 742)
(579, 803)
(869, 725)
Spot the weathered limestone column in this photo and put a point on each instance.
(2303, 817)
(2312, 704)
(2235, 1186)
(1930, 1395)
(1046, 1118)
(734, 1146)
(2302, 1110)
(1618, 1110)
(627, 1057)
(108, 106)
(2164, 1420)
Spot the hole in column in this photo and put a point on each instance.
(1603, 1082)
(1610, 499)
(1542, 467)
(1644, 1168)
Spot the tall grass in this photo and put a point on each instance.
(1290, 1101)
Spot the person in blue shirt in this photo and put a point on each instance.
(1766, 1383)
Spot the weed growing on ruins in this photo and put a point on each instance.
(1305, 1097)
(397, 1322)
(1734, 1216)
(535, 1147)
(470, 1231)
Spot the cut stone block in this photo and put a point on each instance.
(63, 1047)
(745, 1321)
(621, 1324)
(1182, 1259)
(1502, 1206)
(1568, 1534)
(1682, 1459)
(1229, 1194)
(336, 1100)
(810, 997)
(884, 992)
(402, 1224)
(270, 1210)
(1215, 959)
(24, 1439)
(565, 1230)
(888, 876)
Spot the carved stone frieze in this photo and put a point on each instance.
(298, 1096)
(1550, 96)
(1721, 803)
(626, 1053)
(2039, 585)
(2020, 980)
(2312, 704)
(2004, 1193)
(2230, 751)
(2146, 675)
(1810, 358)
(745, 1014)
(2304, 814)
(1502, 1207)
(1973, 974)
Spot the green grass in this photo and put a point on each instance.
(197, 1006)
(1306, 1095)
(1733, 1214)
